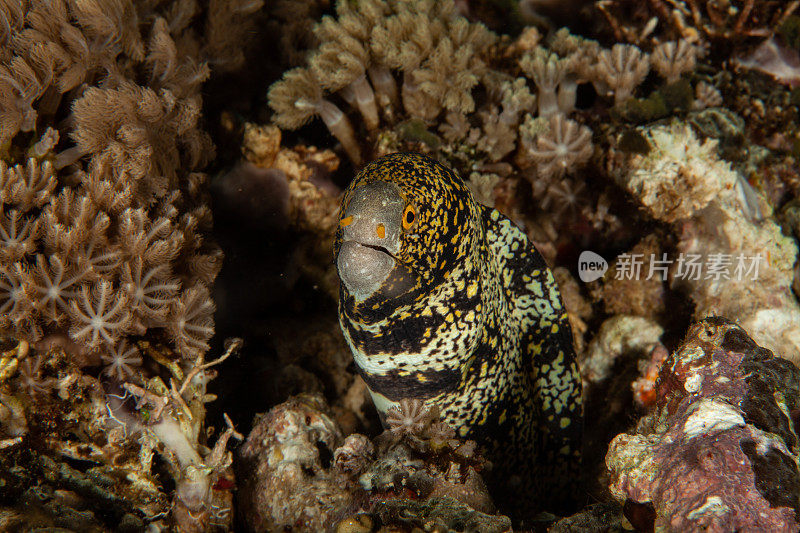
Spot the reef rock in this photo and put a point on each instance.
(719, 451)
(285, 479)
(618, 336)
(435, 514)
(298, 472)
(732, 258)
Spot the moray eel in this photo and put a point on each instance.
(446, 300)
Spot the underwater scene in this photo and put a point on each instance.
(361, 266)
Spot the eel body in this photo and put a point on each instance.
(447, 301)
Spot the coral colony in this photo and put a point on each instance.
(172, 176)
(105, 262)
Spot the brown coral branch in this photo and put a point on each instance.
(298, 97)
(744, 13)
(232, 346)
(146, 397)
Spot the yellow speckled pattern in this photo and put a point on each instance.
(471, 319)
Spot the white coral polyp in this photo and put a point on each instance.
(564, 147)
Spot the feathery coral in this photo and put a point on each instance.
(547, 71)
(142, 131)
(342, 64)
(15, 300)
(149, 289)
(706, 95)
(437, 54)
(31, 381)
(671, 59)
(298, 97)
(18, 234)
(102, 226)
(100, 315)
(154, 241)
(563, 146)
(55, 284)
(190, 324)
(28, 186)
(448, 76)
(410, 417)
(121, 360)
(89, 226)
(622, 68)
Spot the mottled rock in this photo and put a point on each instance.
(437, 514)
(619, 336)
(731, 257)
(283, 468)
(604, 517)
(297, 472)
(719, 451)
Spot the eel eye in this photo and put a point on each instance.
(408, 217)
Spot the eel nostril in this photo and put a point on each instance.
(381, 231)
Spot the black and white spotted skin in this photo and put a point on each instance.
(446, 300)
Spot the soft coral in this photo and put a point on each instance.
(55, 284)
(121, 360)
(99, 316)
(191, 323)
(150, 289)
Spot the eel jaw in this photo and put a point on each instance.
(363, 268)
(371, 234)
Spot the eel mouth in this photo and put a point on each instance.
(364, 267)
(377, 248)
